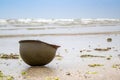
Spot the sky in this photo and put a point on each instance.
(59, 9)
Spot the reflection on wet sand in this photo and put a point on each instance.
(39, 72)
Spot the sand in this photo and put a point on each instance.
(68, 64)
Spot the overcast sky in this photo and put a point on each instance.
(59, 8)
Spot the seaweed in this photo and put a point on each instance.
(95, 65)
(1, 74)
(91, 72)
(52, 78)
(58, 57)
(85, 50)
(102, 49)
(9, 56)
(4, 77)
(23, 73)
(88, 55)
(117, 66)
(10, 78)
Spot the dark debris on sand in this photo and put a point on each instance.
(88, 55)
(102, 49)
(109, 39)
(9, 56)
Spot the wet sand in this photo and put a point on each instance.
(68, 63)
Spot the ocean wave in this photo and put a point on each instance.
(58, 22)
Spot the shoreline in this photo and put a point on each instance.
(60, 34)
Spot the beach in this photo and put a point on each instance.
(86, 53)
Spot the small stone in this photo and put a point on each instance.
(109, 58)
(109, 39)
(81, 51)
(68, 73)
